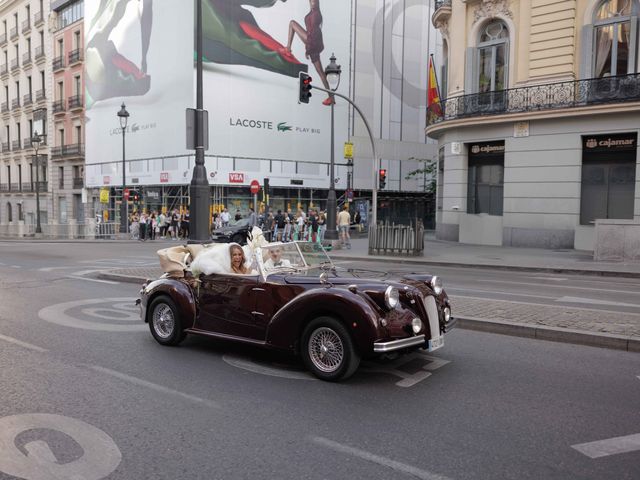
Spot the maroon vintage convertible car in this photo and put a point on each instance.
(296, 300)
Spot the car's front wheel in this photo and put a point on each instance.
(164, 321)
(328, 351)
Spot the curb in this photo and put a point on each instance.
(435, 263)
(539, 332)
(553, 334)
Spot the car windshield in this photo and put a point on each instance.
(239, 223)
(293, 256)
(314, 254)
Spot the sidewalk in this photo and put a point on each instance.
(440, 253)
(556, 323)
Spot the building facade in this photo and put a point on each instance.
(24, 75)
(538, 131)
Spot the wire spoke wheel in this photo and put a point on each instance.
(326, 349)
(163, 320)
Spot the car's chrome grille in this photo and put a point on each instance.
(432, 313)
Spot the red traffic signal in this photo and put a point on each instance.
(382, 178)
(305, 87)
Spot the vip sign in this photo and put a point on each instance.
(235, 177)
(164, 177)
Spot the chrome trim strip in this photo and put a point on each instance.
(258, 289)
(257, 313)
(383, 347)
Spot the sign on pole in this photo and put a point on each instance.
(191, 129)
(348, 150)
(104, 195)
(126, 194)
(255, 187)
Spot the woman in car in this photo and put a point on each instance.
(237, 260)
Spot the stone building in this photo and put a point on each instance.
(539, 129)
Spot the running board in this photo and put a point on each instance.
(224, 336)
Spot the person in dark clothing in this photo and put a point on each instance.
(279, 221)
(311, 36)
(185, 225)
(238, 215)
(313, 219)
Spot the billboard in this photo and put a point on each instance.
(141, 52)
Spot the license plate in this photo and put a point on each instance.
(436, 343)
(214, 237)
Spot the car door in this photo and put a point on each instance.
(270, 296)
(227, 305)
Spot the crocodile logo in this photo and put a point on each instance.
(283, 127)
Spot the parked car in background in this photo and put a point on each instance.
(236, 232)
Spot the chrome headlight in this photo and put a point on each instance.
(447, 314)
(436, 284)
(416, 325)
(391, 297)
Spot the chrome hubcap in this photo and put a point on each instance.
(326, 350)
(163, 320)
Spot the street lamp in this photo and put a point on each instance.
(332, 73)
(36, 140)
(123, 115)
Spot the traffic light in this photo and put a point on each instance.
(305, 88)
(134, 195)
(382, 177)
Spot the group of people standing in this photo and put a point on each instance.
(149, 226)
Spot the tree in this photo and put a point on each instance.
(428, 170)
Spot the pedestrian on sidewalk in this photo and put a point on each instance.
(344, 221)
(253, 218)
(143, 226)
(225, 217)
(153, 225)
(174, 225)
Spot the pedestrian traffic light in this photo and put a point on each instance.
(134, 195)
(305, 88)
(382, 176)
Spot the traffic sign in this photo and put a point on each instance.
(348, 150)
(255, 187)
(349, 195)
(126, 194)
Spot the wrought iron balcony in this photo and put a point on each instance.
(41, 186)
(15, 103)
(40, 95)
(3, 39)
(76, 102)
(78, 183)
(26, 143)
(38, 18)
(14, 187)
(70, 150)
(13, 33)
(15, 64)
(75, 56)
(26, 59)
(3, 69)
(26, 26)
(4, 107)
(553, 96)
(5, 187)
(6, 147)
(27, 99)
(58, 63)
(442, 3)
(58, 106)
(16, 145)
(39, 52)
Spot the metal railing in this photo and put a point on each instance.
(4, 69)
(441, 3)
(15, 64)
(58, 63)
(26, 142)
(26, 25)
(75, 56)
(13, 33)
(75, 102)
(6, 147)
(3, 39)
(27, 99)
(16, 145)
(26, 59)
(5, 107)
(15, 103)
(552, 96)
(40, 95)
(38, 18)
(78, 182)
(58, 106)
(67, 150)
(39, 52)
(90, 230)
(392, 239)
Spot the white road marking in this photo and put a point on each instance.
(16, 266)
(474, 290)
(58, 314)
(610, 446)
(552, 279)
(153, 386)
(100, 455)
(570, 287)
(20, 343)
(265, 370)
(384, 461)
(97, 280)
(595, 301)
(406, 379)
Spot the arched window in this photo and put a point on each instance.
(615, 38)
(493, 57)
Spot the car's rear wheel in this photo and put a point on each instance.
(164, 321)
(328, 350)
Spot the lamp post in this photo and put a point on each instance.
(123, 115)
(332, 72)
(199, 191)
(36, 140)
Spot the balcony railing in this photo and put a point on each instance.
(442, 3)
(15, 103)
(39, 52)
(553, 96)
(75, 56)
(13, 33)
(5, 187)
(3, 39)
(78, 183)
(58, 63)
(40, 95)
(6, 147)
(26, 143)
(27, 99)
(14, 187)
(5, 107)
(76, 102)
(26, 26)
(58, 106)
(38, 18)
(3, 69)
(16, 145)
(15, 64)
(26, 59)
(71, 150)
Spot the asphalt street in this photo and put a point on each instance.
(86, 391)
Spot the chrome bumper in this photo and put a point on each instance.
(383, 347)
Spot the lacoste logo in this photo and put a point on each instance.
(283, 127)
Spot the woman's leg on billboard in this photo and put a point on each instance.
(146, 22)
(295, 28)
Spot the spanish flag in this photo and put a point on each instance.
(434, 107)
